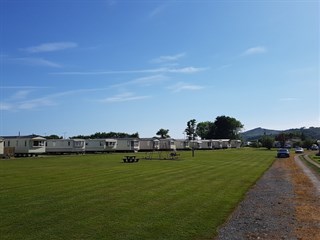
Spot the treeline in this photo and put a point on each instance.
(224, 127)
(296, 140)
(99, 135)
(108, 135)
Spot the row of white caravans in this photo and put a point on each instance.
(35, 145)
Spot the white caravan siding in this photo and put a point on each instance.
(149, 144)
(182, 144)
(100, 145)
(128, 144)
(167, 144)
(26, 145)
(1, 147)
(65, 146)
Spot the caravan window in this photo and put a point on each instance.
(78, 144)
(38, 143)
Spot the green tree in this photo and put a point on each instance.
(203, 129)
(226, 127)
(163, 133)
(282, 138)
(53, 136)
(267, 142)
(191, 129)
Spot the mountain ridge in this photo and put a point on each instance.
(256, 133)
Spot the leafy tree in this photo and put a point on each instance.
(226, 127)
(53, 136)
(307, 143)
(191, 129)
(267, 142)
(282, 138)
(203, 129)
(163, 133)
(108, 135)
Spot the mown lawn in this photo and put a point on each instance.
(99, 197)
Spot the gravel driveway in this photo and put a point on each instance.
(279, 206)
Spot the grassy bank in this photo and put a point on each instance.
(99, 197)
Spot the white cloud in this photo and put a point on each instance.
(157, 11)
(144, 81)
(124, 97)
(181, 86)
(5, 106)
(21, 94)
(169, 58)
(185, 70)
(289, 99)
(37, 62)
(19, 101)
(51, 47)
(254, 50)
(36, 103)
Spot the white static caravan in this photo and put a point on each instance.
(31, 145)
(195, 144)
(182, 144)
(1, 147)
(167, 144)
(149, 144)
(225, 143)
(235, 143)
(60, 146)
(101, 145)
(206, 144)
(128, 145)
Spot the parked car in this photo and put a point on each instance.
(299, 150)
(283, 153)
(314, 147)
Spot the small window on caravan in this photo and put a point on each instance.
(8, 143)
(25, 143)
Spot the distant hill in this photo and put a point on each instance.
(254, 134)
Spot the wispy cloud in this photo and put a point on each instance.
(36, 62)
(168, 58)
(51, 47)
(111, 2)
(254, 50)
(156, 11)
(289, 99)
(186, 70)
(21, 94)
(5, 106)
(124, 97)
(144, 81)
(19, 101)
(181, 86)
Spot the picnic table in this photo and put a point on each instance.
(174, 155)
(130, 159)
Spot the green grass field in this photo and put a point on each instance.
(100, 197)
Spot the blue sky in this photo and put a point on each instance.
(80, 67)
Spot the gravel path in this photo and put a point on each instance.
(267, 211)
(284, 204)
